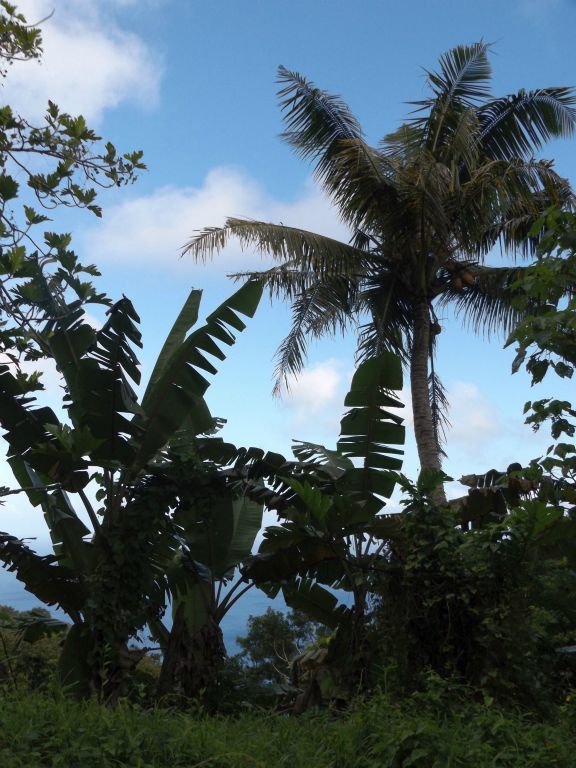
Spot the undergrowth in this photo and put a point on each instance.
(425, 731)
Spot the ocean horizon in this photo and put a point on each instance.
(234, 624)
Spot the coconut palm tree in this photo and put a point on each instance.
(424, 207)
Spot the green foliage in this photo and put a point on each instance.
(434, 729)
(113, 578)
(30, 645)
(173, 400)
(546, 340)
(425, 206)
(20, 41)
(274, 639)
(217, 524)
(487, 606)
(546, 337)
(476, 592)
(328, 507)
(36, 267)
(330, 533)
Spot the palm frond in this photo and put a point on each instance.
(363, 241)
(488, 305)
(337, 307)
(440, 406)
(384, 298)
(461, 82)
(518, 124)
(309, 250)
(291, 279)
(501, 201)
(464, 74)
(321, 128)
(292, 352)
(371, 342)
(285, 281)
(322, 309)
(362, 183)
(314, 118)
(403, 143)
(426, 187)
(535, 188)
(461, 145)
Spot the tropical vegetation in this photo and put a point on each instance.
(424, 209)
(274, 639)
(432, 729)
(139, 455)
(442, 634)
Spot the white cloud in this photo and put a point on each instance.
(474, 419)
(313, 406)
(89, 64)
(152, 229)
(315, 390)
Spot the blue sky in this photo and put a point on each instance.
(193, 85)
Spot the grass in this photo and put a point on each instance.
(39, 730)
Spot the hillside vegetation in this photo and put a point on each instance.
(426, 731)
(440, 635)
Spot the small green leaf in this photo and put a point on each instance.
(518, 360)
(8, 187)
(33, 217)
(563, 370)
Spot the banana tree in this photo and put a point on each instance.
(218, 524)
(331, 530)
(221, 493)
(108, 569)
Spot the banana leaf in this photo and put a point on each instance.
(51, 583)
(98, 367)
(34, 629)
(74, 669)
(221, 532)
(174, 397)
(316, 601)
(367, 430)
(66, 529)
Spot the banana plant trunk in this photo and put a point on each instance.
(191, 658)
(424, 431)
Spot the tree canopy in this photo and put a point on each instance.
(424, 208)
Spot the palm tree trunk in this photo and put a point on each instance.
(425, 433)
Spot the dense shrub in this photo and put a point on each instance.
(488, 607)
(26, 664)
(429, 730)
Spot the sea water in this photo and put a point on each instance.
(253, 603)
